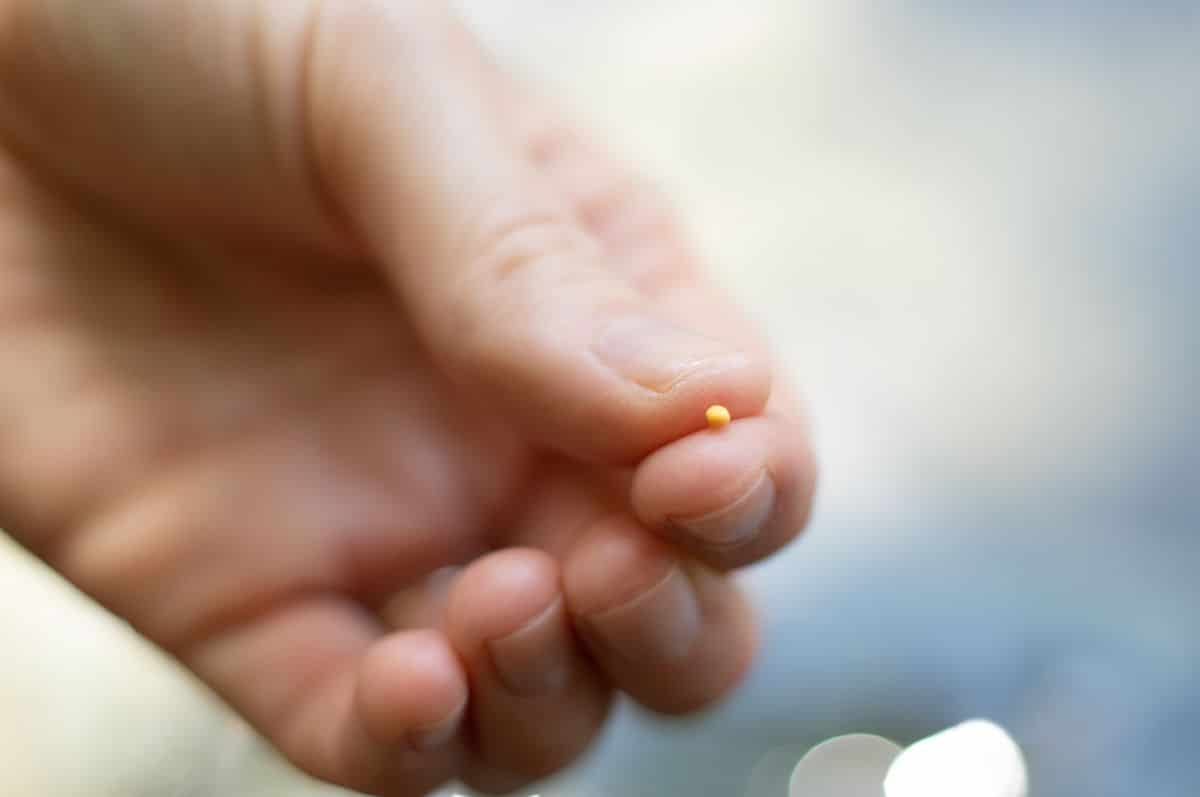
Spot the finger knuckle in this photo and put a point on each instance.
(509, 260)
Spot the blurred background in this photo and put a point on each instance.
(973, 232)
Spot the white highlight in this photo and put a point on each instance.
(845, 766)
(975, 759)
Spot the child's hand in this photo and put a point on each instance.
(302, 302)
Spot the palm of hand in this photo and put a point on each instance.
(289, 422)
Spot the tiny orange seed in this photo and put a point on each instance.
(717, 416)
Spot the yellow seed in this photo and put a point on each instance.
(717, 416)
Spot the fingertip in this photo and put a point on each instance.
(748, 490)
(536, 701)
(631, 597)
(679, 372)
(724, 652)
(614, 562)
(669, 391)
(603, 385)
(412, 690)
(721, 465)
(499, 594)
(671, 633)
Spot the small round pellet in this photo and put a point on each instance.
(717, 416)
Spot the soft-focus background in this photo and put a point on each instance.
(973, 229)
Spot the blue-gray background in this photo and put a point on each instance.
(973, 232)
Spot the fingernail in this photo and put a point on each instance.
(438, 734)
(736, 522)
(536, 658)
(660, 624)
(656, 354)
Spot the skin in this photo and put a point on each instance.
(355, 377)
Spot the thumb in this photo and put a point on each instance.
(512, 297)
